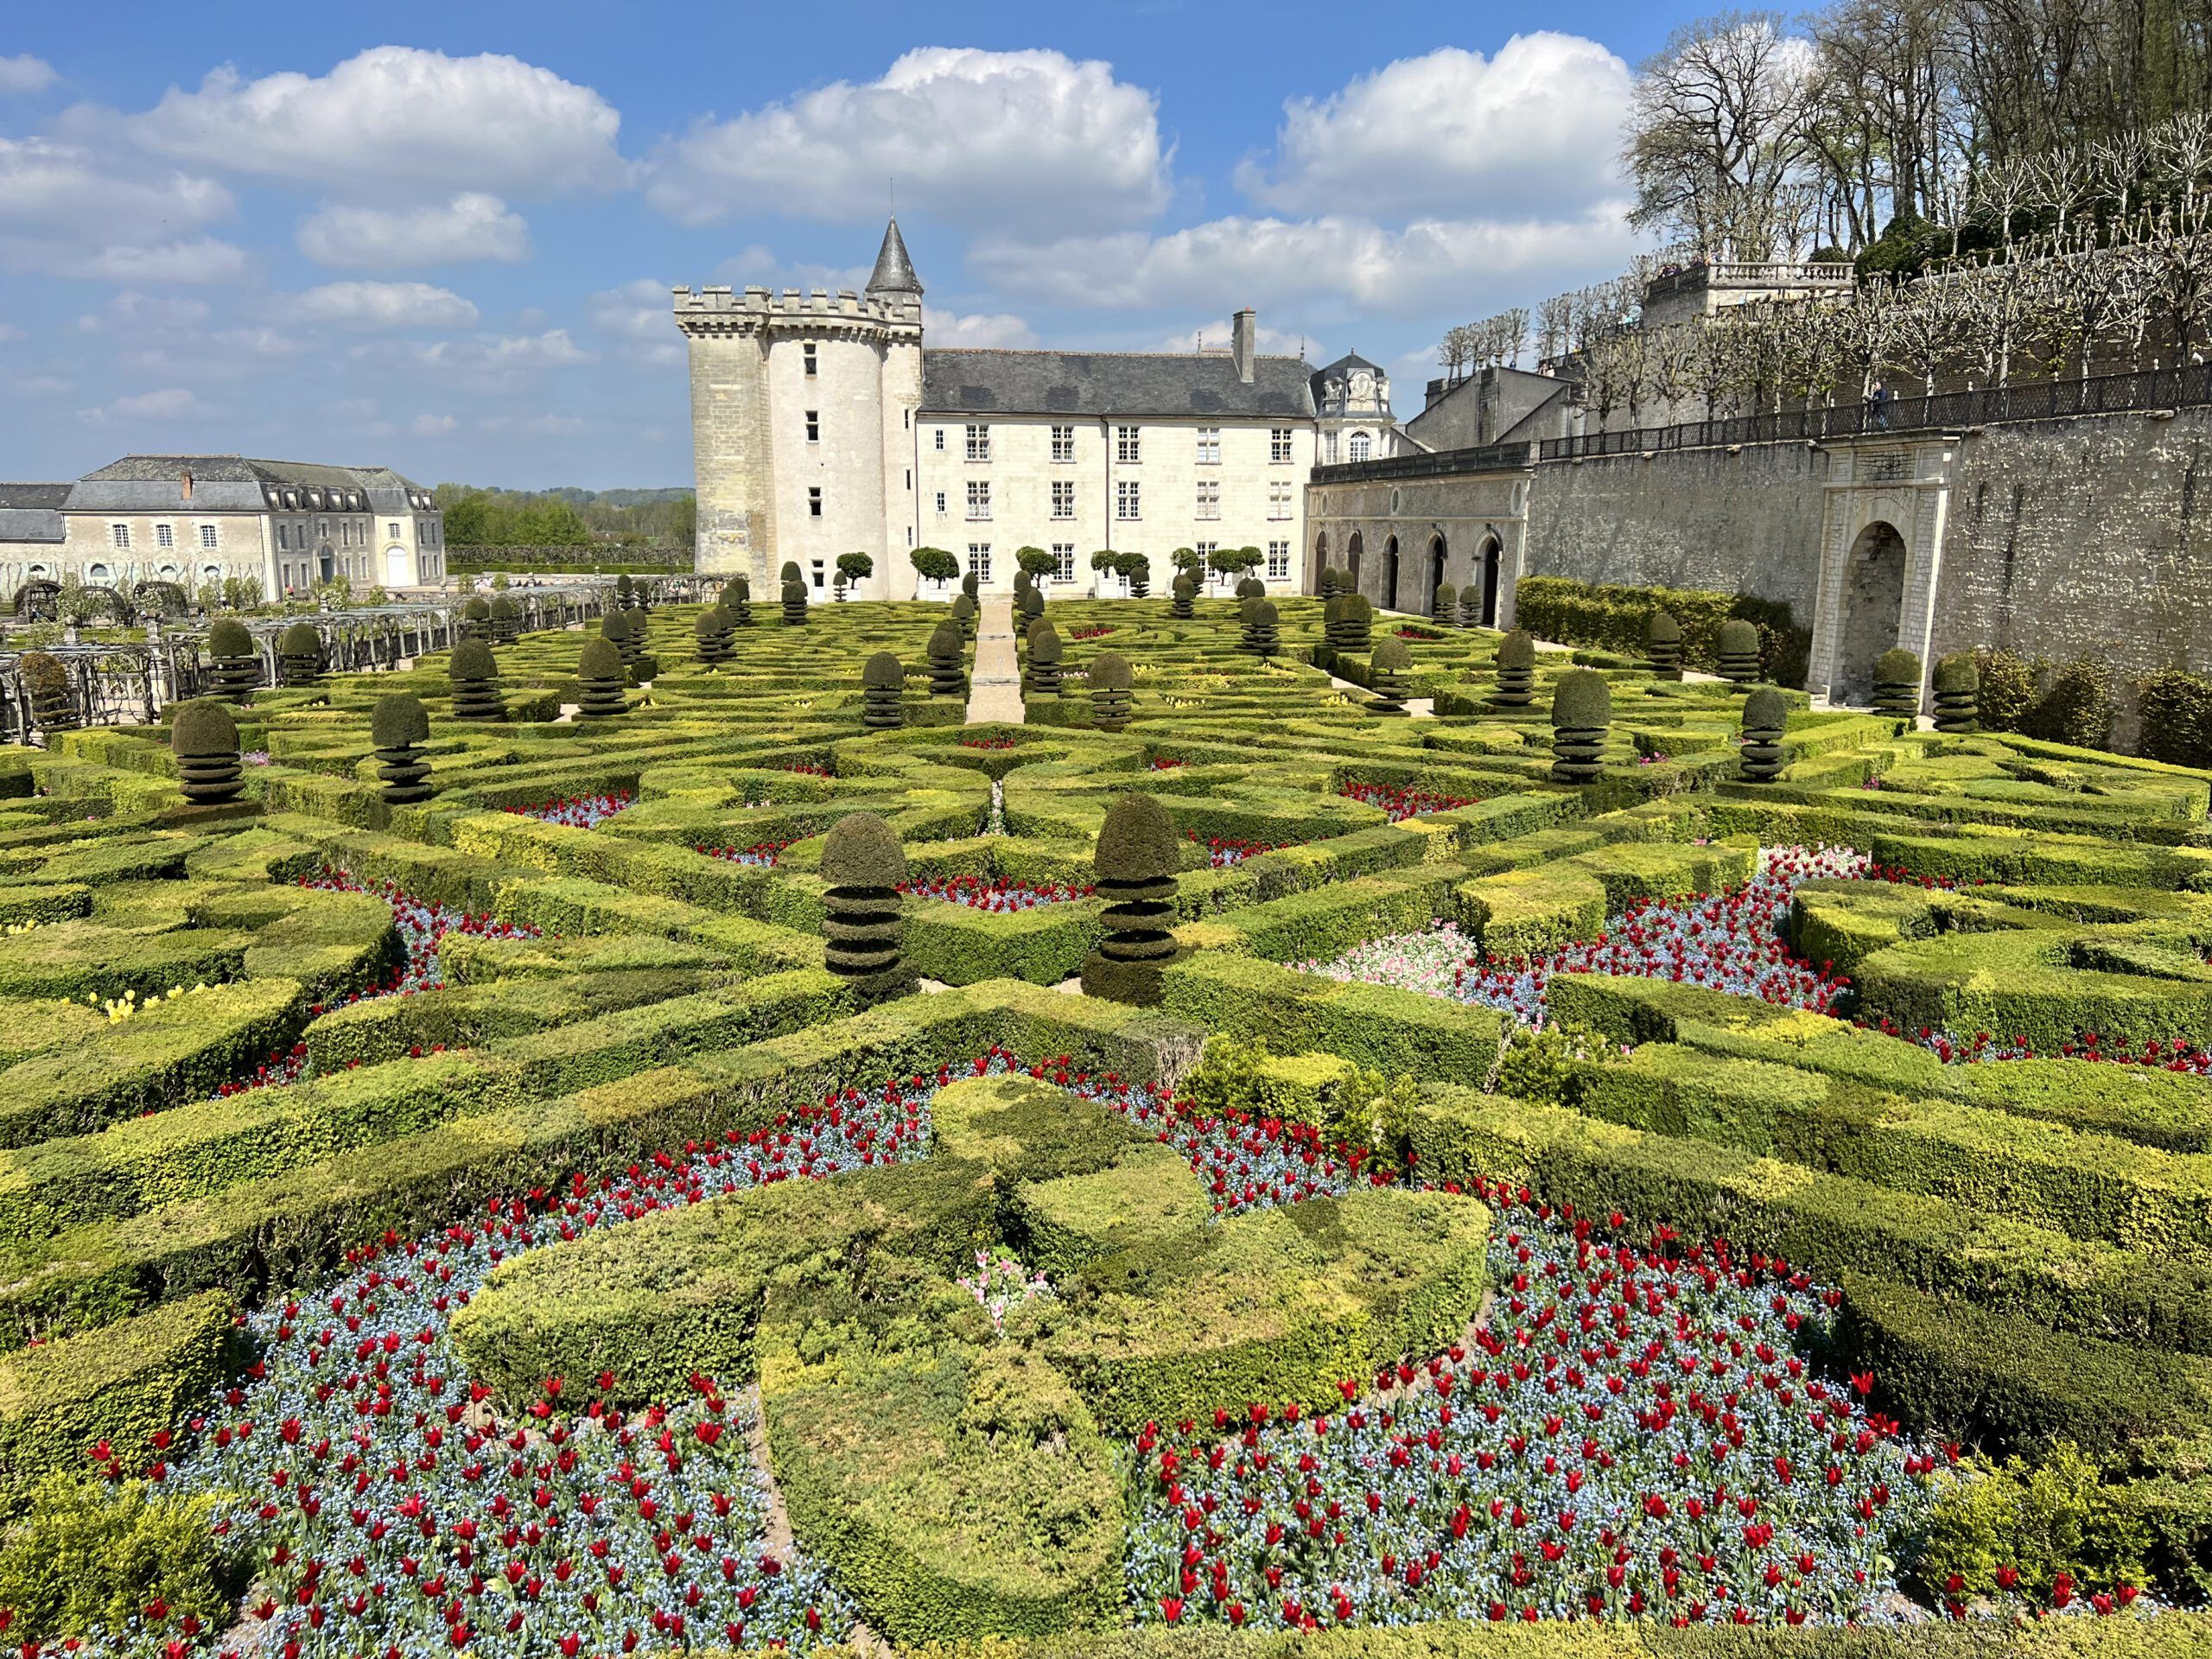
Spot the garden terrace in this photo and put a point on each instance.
(539, 1110)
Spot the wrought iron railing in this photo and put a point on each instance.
(1439, 463)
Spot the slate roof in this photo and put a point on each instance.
(32, 512)
(33, 497)
(1349, 361)
(895, 271)
(227, 484)
(979, 381)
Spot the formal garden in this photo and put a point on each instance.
(1337, 1132)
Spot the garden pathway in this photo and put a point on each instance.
(995, 690)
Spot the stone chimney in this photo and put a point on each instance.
(1243, 338)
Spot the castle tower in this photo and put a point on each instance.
(802, 416)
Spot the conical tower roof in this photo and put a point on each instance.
(895, 271)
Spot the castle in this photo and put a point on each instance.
(823, 425)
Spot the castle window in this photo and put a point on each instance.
(979, 498)
(1278, 561)
(814, 426)
(979, 443)
(392, 532)
(809, 348)
(1209, 498)
(1279, 498)
(817, 576)
(1064, 443)
(910, 480)
(1126, 503)
(1205, 550)
(120, 534)
(905, 420)
(940, 440)
(164, 536)
(1209, 445)
(207, 535)
(1126, 449)
(1359, 446)
(814, 503)
(1332, 449)
(940, 500)
(1065, 553)
(283, 538)
(1063, 499)
(979, 560)
(1279, 443)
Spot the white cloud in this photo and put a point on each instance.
(201, 259)
(474, 227)
(485, 363)
(67, 209)
(758, 266)
(1529, 130)
(971, 136)
(383, 305)
(136, 313)
(396, 116)
(1214, 337)
(25, 74)
(998, 328)
(637, 314)
(170, 404)
(432, 426)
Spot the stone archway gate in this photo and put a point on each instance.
(1903, 481)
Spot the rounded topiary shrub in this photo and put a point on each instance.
(1042, 677)
(1138, 855)
(626, 632)
(1111, 681)
(601, 679)
(971, 584)
(1031, 605)
(235, 664)
(1182, 597)
(300, 651)
(507, 621)
(52, 696)
(1737, 651)
(476, 618)
(474, 675)
(1447, 607)
(1259, 624)
(712, 630)
(1516, 670)
(1392, 661)
(1766, 716)
(1958, 692)
(1251, 588)
(1359, 621)
(204, 738)
(863, 865)
(400, 725)
(1662, 644)
(794, 601)
(626, 591)
(883, 682)
(964, 612)
(790, 572)
(948, 651)
(737, 598)
(1582, 709)
(1896, 684)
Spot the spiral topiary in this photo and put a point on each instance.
(235, 665)
(737, 599)
(1042, 677)
(1251, 588)
(964, 612)
(1330, 583)
(1137, 858)
(1582, 707)
(1896, 684)
(54, 701)
(1111, 681)
(1392, 661)
(1662, 644)
(602, 677)
(713, 632)
(1182, 597)
(475, 621)
(1738, 651)
(507, 621)
(400, 725)
(204, 738)
(794, 603)
(1447, 605)
(948, 651)
(1958, 693)
(1259, 618)
(863, 865)
(1766, 716)
(299, 652)
(474, 675)
(883, 682)
(1516, 670)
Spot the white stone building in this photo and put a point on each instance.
(192, 520)
(823, 425)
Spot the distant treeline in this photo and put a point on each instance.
(567, 518)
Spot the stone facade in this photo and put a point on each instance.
(1403, 532)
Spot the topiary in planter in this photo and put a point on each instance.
(1259, 617)
(1517, 671)
(1958, 693)
(964, 612)
(204, 738)
(883, 682)
(737, 599)
(1251, 588)
(1738, 651)
(474, 675)
(1359, 621)
(1182, 595)
(1042, 677)
(1389, 667)
(601, 676)
(507, 621)
(1447, 605)
(1582, 707)
(863, 865)
(1766, 716)
(1896, 684)
(299, 652)
(1137, 858)
(713, 632)
(400, 726)
(948, 650)
(1662, 644)
(234, 665)
(54, 701)
(794, 604)
(1111, 679)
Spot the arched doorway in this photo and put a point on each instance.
(1390, 575)
(1353, 549)
(1493, 557)
(1320, 555)
(1873, 609)
(398, 568)
(1435, 569)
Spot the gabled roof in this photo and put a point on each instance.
(227, 484)
(1349, 361)
(895, 271)
(984, 381)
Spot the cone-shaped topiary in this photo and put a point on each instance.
(507, 621)
(971, 584)
(1182, 596)
(1766, 716)
(204, 738)
(1392, 661)
(1030, 607)
(948, 651)
(1738, 651)
(964, 612)
(1259, 618)
(794, 604)
(234, 665)
(400, 726)
(1137, 858)
(863, 865)
(54, 701)
(883, 682)
(1662, 644)
(474, 675)
(1582, 707)
(737, 598)
(1958, 693)
(1447, 605)
(1251, 588)
(713, 632)
(626, 591)
(1111, 678)
(1045, 652)
(1517, 671)
(299, 651)
(624, 630)
(1896, 684)
(600, 675)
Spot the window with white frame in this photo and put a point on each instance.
(814, 426)
(1209, 498)
(979, 498)
(940, 440)
(392, 532)
(1064, 557)
(1126, 447)
(1332, 446)
(1278, 444)
(120, 534)
(1062, 498)
(1127, 502)
(1359, 446)
(1209, 445)
(940, 501)
(1278, 561)
(979, 441)
(207, 535)
(164, 536)
(979, 560)
(1064, 443)
(1279, 498)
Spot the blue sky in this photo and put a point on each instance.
(441, 238)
